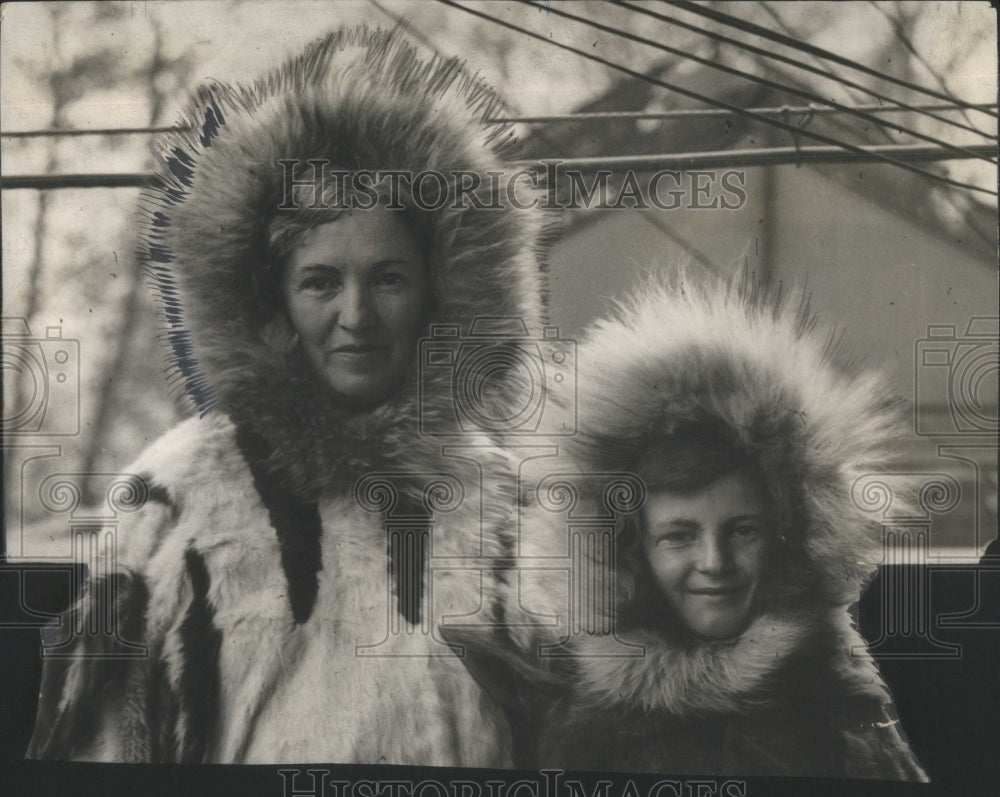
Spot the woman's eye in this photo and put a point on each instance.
(675, 539)
(746, 530)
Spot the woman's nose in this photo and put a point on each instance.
(357, 311)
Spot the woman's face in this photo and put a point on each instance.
(356, 292)
(707, 551)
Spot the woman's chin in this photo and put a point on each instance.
(361, 392)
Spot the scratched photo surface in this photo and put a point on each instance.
(847, 151)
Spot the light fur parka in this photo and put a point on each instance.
(796, 693)
(293, 559)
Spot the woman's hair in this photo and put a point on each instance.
(689, 459)
(304, 211)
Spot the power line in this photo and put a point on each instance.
(969, 219)
(901, 35)
(44, 182)
(745, 158)
(788, 31)
(771, 156)
(407, 26)
(674, 113)
(825, 73)
(807, 95)
(749, 27)
(100, 131)
(697, 113)
(711, 101)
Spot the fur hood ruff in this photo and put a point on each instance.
(751, 360)
(357, 99)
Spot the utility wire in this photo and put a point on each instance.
(772, 156)
(727, 158)
(947, 192)
(697, 113)
(408, 27)
(901, 35)
(711, 101)
(99, 131)
(788, 31)
(749, 27)
(674, 113)
(807, 95)
(825, 73)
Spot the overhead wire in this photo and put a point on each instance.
(776, 18)
(407, 26)
(673, 113)
(948, 193)
(825, 73)
(905, 40)
(727, 158)
(97, 131)
(712, 101)
(711, 64)
(695, 113)
(767, 33)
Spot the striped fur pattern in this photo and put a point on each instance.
(283, 621)
(232, 674)
(695, 351)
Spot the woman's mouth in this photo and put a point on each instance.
(358, 349)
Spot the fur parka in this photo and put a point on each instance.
(293, 559)
(796, 693)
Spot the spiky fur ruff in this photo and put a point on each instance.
(206, 580)
(694, 351)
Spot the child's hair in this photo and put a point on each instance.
(692, 457)
(689, 459)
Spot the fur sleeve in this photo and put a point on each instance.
(132, 694)
(873, 742)
(98, 671)
(94, 685)
(874, 747)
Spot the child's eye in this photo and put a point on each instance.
(318, 283)
(390, 280)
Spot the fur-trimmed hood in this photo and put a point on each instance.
(752, 361)
(357, 99)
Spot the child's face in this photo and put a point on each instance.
(707, 551)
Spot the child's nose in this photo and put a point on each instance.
(714, 555)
